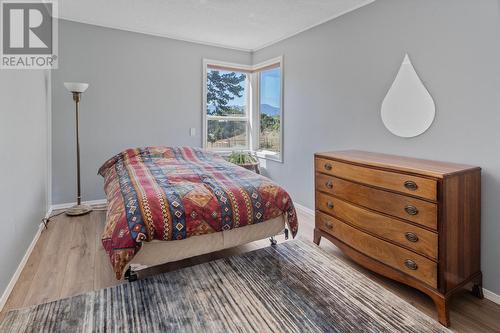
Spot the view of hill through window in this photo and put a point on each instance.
(228, 111)
(270, 113)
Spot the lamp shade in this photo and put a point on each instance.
(78, 87)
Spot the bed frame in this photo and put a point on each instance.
(157, 253)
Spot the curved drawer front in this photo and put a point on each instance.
(408, 208)
(392, 255)
(417, 186)
(420, 240)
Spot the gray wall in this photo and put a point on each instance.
(337, 74)
(144, 90)
(23, 167)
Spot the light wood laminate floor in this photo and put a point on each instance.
(69, 259)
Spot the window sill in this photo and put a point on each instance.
(261, 154)
(269, 155)
(227, 152)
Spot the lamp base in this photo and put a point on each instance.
(78, 210)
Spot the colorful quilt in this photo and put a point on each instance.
(167, 193)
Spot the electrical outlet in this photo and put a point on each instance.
(192, 131)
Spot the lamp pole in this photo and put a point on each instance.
(76, 98)
(77, 89)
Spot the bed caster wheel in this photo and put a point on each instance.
(273, 241)
(130, 275)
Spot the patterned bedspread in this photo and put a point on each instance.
(167, 193)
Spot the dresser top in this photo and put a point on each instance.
(399, 163)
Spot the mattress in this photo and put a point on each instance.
(171, 194)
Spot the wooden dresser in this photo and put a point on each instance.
(412, 220)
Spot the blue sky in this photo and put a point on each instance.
(270, 89)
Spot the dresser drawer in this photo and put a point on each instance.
(412, 209)
(417, 186)
(392, 255)
(420, 240)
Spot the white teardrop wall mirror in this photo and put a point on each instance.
(408, 109)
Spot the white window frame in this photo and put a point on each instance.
(257, 69)
(253, 106)
(206, 117)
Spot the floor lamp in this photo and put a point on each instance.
(77, 88)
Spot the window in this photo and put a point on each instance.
(270, 111)
(227, 109)
(243, 108)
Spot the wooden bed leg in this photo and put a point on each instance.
(130, 275)
(317, 237)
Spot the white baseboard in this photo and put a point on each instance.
(71, 204)
(491, 296)
(303, 209)
(20, 267)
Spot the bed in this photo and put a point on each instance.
(170, 203)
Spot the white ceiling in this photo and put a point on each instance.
(239, 24)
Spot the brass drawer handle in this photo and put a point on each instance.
(411, 264)
(329, 204)
(411, 185)
(329, 184)
(411, 210)
(328, 225)
(410, 236)
(328, 166)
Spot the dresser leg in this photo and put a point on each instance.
(317, 237)
(442, 310)
(477, 288)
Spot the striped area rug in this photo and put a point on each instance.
(294, 287)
